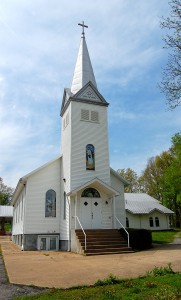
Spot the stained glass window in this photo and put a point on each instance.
(50, 204)
(90, 157)
(90, 193)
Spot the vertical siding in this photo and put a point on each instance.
(18, 214)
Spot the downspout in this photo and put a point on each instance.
(24, 211)
(69, 240)
(114, 212)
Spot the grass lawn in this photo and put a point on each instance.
(164, 237)
(161, 283)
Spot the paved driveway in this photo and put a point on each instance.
(63, 269)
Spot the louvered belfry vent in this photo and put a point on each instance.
(91, 116)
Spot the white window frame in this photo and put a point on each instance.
(48, 242)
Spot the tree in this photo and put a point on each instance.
(152, 176)
(171, 83)
(172, 179)
(162, 178)
(5, 193)
(132, 178)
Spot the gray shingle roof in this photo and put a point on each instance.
(141, 203)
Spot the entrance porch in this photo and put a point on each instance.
(92, 211)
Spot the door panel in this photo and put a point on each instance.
(91, 213)
(96, 213)
(86, 213)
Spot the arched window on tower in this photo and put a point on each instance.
(90, 157)
(50, 203)
(90, 193)
(151, 222)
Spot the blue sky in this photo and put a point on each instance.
(39, 41)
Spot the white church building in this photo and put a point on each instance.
(76, 201)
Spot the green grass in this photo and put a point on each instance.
(164, 237)
(7, 226)
(160, 283)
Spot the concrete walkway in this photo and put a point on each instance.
(63, 269)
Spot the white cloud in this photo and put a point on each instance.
(39, 43)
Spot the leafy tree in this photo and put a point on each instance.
(172, 179)
(171, 83)
(5, 193)
(162, 178)
(132, 178)
(152, 176)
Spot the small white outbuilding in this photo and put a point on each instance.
(143, 211)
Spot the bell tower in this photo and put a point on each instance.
(84, 126)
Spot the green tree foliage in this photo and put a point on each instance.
(5, 193)
(152, 176)
(135, 185)
(161, 178)
(171, 82)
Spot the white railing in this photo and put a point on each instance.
(82, 230)
(123, 228)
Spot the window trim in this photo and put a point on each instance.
(53, 211)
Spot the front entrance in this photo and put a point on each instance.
(91, 213)
(48, 243)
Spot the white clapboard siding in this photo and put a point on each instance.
(118, 185)
(142, 221)
(84, 133)
(37, 185)
(66, 149)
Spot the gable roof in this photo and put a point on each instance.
(141, 203)
(87, 94)
(124, 181)
(22, 181)
(95, 182)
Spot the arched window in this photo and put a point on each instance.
(90, 193)
(90, 157)
(151, 222)
(157, 222)
(127, 222)
(50, 204)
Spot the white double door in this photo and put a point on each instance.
(91, 213)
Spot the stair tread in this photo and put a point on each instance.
(102, 242)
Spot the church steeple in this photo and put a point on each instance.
(83, 72)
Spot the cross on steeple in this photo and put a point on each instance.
(83, 34)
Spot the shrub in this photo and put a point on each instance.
(140, 239)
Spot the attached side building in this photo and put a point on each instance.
(143, 211)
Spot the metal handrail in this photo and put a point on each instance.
(123, 228)
(83, 231)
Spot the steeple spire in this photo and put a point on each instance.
(83, 72)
